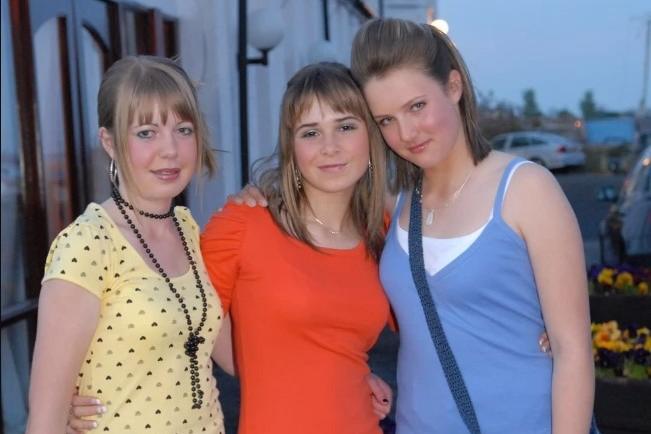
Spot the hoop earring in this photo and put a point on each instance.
(113, 173)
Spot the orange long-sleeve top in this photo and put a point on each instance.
(303, 322)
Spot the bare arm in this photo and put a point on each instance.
(222, 352)
(547, 223)
(67, 319)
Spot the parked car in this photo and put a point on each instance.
(625, 233)
(547, 149)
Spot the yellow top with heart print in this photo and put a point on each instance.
(136, 362)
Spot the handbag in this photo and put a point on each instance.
(446, 357)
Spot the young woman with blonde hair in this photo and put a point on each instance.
(483, 254)
(300, 279)
(127, 312)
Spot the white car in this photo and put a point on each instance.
(547, 149)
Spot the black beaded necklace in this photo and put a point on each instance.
(119, 199)
(194, 339)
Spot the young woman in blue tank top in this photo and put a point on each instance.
(503, 264)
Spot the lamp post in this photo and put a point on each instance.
(264, 29)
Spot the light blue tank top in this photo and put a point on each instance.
(488, 303)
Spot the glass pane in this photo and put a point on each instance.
(14, 351)
(130, 32)
(519, 142)
(52, 126)
(135, 32)
(15, 374)
(93, 67)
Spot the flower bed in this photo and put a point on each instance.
(622, 352)
(620, 294)
(623, 367)
(622, 280)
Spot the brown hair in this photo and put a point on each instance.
(331, 84)
(135, 86)
(384, 45)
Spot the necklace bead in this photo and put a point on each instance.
(194, 338)
(118, 198)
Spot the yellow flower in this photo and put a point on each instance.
(605, 277)
(612, 327)
(643, 288)
(623, 280)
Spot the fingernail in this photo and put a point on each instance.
(96, 401)
(94, 424)
(264, 203)
(102, 409)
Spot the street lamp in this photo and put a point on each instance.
(264, 30)
(441, 24)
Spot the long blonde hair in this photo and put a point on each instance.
(136, 86)
(384, 45)
(331, 84)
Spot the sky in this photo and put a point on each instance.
(560, 48)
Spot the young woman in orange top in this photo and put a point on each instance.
(300, 278)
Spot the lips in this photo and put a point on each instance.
(417, 149)
(332, 167)
(167, 174)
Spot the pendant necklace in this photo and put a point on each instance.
(194, 338)
(429, 217)
(326, 227)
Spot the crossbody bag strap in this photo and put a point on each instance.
(443, 350)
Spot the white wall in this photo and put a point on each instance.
(208, 50)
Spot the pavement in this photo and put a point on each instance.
(581, 190)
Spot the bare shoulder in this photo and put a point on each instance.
(531, 180)
(534, 194)
(493, 165)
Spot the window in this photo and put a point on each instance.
(52, 165)
(537, 142)
(519, 142)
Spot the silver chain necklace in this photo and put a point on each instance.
(325, 226)
(429, 217)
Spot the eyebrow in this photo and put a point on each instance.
(411, 101)
(314, 124)
(147, 124)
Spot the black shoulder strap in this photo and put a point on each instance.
(446, 357)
